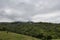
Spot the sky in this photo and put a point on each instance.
(30, 10)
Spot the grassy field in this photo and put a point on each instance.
(14, 36)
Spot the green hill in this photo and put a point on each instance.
(14, 36)
(41, 30)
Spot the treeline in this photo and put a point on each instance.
(40, 30)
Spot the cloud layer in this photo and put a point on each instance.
(30, 10)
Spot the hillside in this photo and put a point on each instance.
(14, 36)
(39, 30)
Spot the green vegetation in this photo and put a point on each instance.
(14, 36)
(44, 31)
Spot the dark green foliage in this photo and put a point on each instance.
(40, 36)
(4, 29)
(49, 37)
(44, 31)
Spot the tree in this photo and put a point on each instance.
(49, 37)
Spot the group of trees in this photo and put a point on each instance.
(41, 30)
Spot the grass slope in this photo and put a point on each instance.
(14, 36)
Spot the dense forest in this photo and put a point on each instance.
(41, 30)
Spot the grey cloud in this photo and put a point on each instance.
(24, 10)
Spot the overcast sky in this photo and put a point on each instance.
(30, 10)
